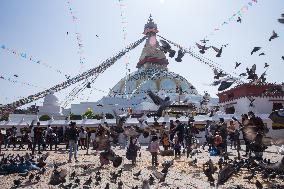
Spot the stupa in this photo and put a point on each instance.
(152, 74)
(50, 106)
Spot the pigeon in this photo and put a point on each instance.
(251, 101)
(37, 178)
(237, 65)
(31, 177)
(258, 184)
(17, 182)
(219, 51)
(261, 54)
(145, 185)
(119, 185)
(255, 49)
(16, 75)
(73, 174)
(107, 186)
(202, 48)
(98, 178)
(239, 20)
(89, 181)
(137, 174)
(225, 85)
(151, 180)
(204, 40)
(218, 74)
(68, 186)
(281, 20)
(97, 36)
(282, 57)
(136, 187)
(273, 36)
(77, 181)
(250, 176)
(266, 65)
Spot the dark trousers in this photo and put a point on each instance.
(38, 143)
(154, 158)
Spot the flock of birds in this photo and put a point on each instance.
(224, 168)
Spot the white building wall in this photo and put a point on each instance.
(262, 105)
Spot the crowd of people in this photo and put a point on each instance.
(177, 138)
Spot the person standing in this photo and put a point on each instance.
(232, 133)
(73, 141)
(83, 137)
(1, 140)
(223, 133)
(37, 138)
(154, 149)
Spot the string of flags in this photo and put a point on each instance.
(92, 74)
(237, 16)
(29, 58)
(122, 8)
(18, 82)
(78, 35)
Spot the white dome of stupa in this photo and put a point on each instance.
(51, 99)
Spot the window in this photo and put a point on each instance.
(277, 106)
(230, 110)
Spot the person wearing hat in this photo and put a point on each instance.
(73, 141)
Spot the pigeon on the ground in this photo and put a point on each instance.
(255, 49)
(273, 36)
(137, 174)
(266, 65)
(258, 184)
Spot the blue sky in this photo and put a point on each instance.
(39, 28)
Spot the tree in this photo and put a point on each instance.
(89, 113)
(44, 118)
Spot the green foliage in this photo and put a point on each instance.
(89, 113)
(4, 118)
(44, 118)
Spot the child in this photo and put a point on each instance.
(165, 141)
(154, 149)
(177, 146)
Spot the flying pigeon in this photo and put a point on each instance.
(282, 57)
(281, 20)
(261, 54)
(97, 36)
(273, 36)
(251, 72)
(255, 49)
(225, 85)
(218, 74)
(219, 51)
(67, 33)
(266, 65)
(251, 101)
(16, 75)
(202, 48)
(1, 77)
(204, 40)
(239, 20)
(237, 65)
